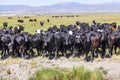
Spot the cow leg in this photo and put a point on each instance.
(56, 53)
(74, 51)
(92, 55)
(38, 51)
(25, 52)
(86, 55)
(110, 51)
(18, 53)
(2, 53)
(7, 52)
(71, 50)
(22, 53)
(115, 48)
(97, 51)
(64, 52)
(13, 54)
(31, 52)
(103, 52)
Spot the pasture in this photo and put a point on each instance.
(32, 26)
(12, 68)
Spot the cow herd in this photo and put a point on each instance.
(77, 40)
(32, 20)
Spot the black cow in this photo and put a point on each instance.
(41, 23)
(9, 17)
(35, 41)
(20, 21)
(48, 20)
(48, 42)
(26, 44)
(30, 20)
(18, 29)
(5, 24)
(79, 41)
(77, 23)
(7, 42)
(92, 42)
(35, 20)
(19, 43)
(26, 16)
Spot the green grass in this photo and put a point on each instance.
(80, 73)
(32, 26)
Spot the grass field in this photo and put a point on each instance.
(32, 26)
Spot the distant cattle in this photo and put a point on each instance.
(94, 22)
(77, 15)
(20, 21)
(26, 16)
(48, 20)
(35, 20)
(52, 16)
(30, 20)
(9, 17)
(41, 23)
(5, 24)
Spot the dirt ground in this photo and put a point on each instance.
(22, 69)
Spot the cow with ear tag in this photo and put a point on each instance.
(35, 41)
(78, 43)
(67, 42)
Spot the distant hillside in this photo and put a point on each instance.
(64, 7)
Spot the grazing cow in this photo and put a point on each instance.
(77, 15)
(35, 20)
(26, 16)
(20, 21)
(5, 24)
(48, 20)
(41, 23)
(9, 17)
(30, 20)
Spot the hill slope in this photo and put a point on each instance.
(64, 7)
